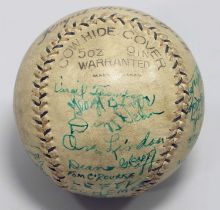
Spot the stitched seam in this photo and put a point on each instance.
(40, 104)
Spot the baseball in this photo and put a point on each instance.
(108, 102)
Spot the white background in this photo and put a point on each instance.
(194, 187)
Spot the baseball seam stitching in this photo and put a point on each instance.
(40, 103)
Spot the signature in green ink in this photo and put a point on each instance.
(80, 106)
(116, 145)
(125, 117)
(100, 176)
(148, 141)
(142, 162)
(125, 186)
(73, 164)
(75, 92)
(70, 141)
(125, 108)
(196, 106)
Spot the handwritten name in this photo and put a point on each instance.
(142, 162)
